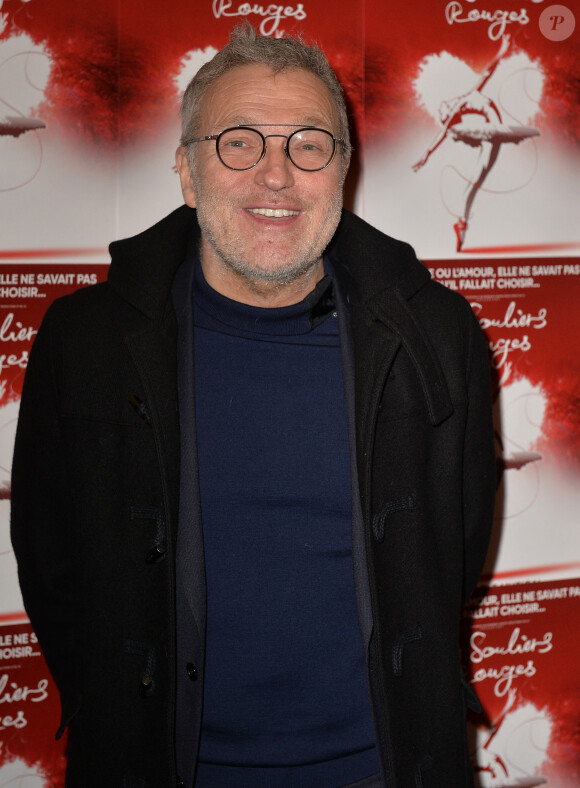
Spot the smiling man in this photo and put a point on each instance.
(266, 223)
(253, 479)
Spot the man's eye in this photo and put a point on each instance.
(313, 143)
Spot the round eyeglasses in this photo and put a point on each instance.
(243, 147)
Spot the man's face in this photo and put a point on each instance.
(239, 240)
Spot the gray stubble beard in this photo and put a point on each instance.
(260, 278)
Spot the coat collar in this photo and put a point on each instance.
(369, 262)
(366, 261)
(377, 276)
(143, 267)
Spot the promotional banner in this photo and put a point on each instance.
(522, 651)
(476, 148)
(92, 117)
(29, 756)
(466, 136)
(527, 732)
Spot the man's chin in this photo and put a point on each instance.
(272, 272)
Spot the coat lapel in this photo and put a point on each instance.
(380, 329)
(375, 349)
(392, 310)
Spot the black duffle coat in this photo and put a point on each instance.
(96, 483)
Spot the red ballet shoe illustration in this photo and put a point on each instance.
(460, 229)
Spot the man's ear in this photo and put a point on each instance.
(185, 176)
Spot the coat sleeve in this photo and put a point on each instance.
(479, 466)
(40, 519)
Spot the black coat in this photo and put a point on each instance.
(96, 494)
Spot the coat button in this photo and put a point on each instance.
(146, 685)
(180, 783)
(156, 553)
(191, 671)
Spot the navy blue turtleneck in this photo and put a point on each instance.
(285, 695)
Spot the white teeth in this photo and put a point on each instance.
(277, 212)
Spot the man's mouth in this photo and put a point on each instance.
(277, 213)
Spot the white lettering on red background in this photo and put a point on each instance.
(502, 347)
(12, 692)
(517, 644)
(497, 20)
(271, 14)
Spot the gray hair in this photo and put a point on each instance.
(246, 47)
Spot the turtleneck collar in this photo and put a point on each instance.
(290, 320)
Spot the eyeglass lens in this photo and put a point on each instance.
(308, 149)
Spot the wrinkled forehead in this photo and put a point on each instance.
(253, 94)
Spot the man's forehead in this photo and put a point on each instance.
(247, 94)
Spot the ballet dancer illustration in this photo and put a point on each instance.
(475, 119)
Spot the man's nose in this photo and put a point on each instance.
(275, 171)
